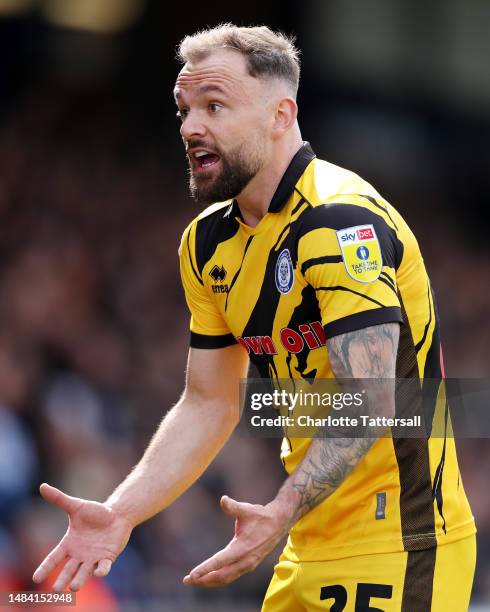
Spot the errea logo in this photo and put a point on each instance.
(218, 274)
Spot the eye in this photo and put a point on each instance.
(182, 113)
(214, 107)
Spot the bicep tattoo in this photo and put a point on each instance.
(365, 353)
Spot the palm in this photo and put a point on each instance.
(94, 538)
(257, 531)
(94, 532)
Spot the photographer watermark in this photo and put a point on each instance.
(366, 408)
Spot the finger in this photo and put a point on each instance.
(50, 562)
(58, 498)
(229, 555)
(225, 575)
(103, 568)
(66, 574)
(84, 572)
(232, 507)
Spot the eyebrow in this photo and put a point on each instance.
(207, 88)
(202, 90)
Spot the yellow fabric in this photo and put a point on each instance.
(237, 285)
(297, 587)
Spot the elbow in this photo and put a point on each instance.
(217, 414)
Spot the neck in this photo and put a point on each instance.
(254, 200)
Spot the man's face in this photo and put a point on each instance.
(225, 124)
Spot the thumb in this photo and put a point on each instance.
(58, 498)
(231, 507)
(103, 568)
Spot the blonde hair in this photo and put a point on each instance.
(268, 53)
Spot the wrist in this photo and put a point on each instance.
(283, 511)
(121, 511)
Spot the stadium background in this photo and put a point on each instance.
(93, 199)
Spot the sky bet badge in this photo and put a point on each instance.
(361, 252)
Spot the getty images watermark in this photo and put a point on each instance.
(366, 407)
(310, 409)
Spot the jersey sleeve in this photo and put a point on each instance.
(207, 326)
(349, 256)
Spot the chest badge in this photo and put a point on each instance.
(284, 272)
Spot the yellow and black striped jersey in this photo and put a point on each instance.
(331, 256)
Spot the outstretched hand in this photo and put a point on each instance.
(94, 538)
(258, 529)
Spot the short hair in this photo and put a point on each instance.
(268, 53)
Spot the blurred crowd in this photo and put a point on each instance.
(93, 342)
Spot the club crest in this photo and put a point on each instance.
(284, 272)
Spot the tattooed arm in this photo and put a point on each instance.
(365, 354)
(368, 353)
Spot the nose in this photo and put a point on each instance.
(192, 127)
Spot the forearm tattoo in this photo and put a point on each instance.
(366, 353)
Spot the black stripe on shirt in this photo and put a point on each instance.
(383, 208)
(317, 261)
(201, 341)
(419, 578)
(342, 288)
(337, 216)
(360, 320)
(210, 232)
(420, 343)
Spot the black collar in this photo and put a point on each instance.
(286, 185)
(292, 175)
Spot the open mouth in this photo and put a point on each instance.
(204, 160)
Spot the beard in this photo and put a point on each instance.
(238, 169)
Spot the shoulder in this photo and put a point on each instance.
(214, 225)
(344, 204)
(330, 182)
(341, 198)
(209, 216)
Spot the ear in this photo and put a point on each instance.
(285, 116)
